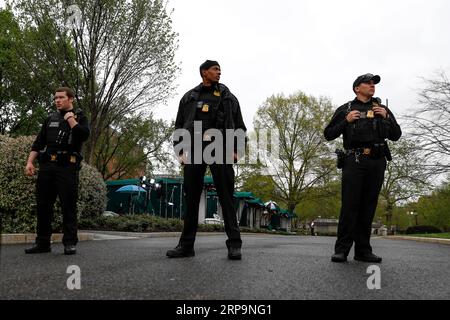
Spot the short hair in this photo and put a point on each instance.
(208, 64)
(67, 90)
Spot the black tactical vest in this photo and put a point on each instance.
(59, 133)
(367, 130)
(207, 108)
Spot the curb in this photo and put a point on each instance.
(103, 235)
(94, 235)
(23, 238)
(419, 239)
(87, 235)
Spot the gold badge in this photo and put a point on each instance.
(53, 157)
(205, 108)
(217, 93)
(370, 114)
(73, 159)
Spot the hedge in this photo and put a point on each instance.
(17, 191)
(422, 230)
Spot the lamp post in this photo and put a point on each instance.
(415, 215)
(170, 203)
(144, 184)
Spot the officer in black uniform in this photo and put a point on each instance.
(365, 125)
(215, 107)
(57, 147)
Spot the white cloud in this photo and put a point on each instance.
(319, 47)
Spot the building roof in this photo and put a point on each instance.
(122, 182)
(237, 195)
(255, 201)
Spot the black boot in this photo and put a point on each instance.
(70, 249)
(38, 248)
(180, 252)
(234, 253)
(339, 257)
(368, 257)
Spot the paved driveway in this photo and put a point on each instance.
(273, 267)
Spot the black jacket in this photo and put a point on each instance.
(187, 108)
(80, 133)
(338, 124)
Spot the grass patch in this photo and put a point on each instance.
(445, 235)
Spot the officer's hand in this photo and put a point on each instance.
(30, 170)
(68, 115)
(381, 111)
(353, 116)
(182, 159)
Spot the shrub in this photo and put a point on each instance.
(131, 223)
(148, 223)
(91, 193)
(422, 230)
(17, 191)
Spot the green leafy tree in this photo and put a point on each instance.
(304, 159)
(32, 64)
(261, 186)
(132, 147)
(124, 51)
(406, 177)
(434, 209)
(322, 201)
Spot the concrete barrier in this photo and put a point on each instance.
(22, 238)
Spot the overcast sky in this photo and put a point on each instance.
(318, 47)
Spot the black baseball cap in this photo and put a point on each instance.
(366, 78)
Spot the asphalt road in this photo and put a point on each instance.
(273, 267)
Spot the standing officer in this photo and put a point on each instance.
(58, 147)
(365, 125)
(213, 106)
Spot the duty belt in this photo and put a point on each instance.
(358, 152)
(63, 157)
(364, 151)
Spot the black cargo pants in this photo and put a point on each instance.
(62, 181)
(223, 176)
(361, 185)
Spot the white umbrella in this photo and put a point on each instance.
(271, 205)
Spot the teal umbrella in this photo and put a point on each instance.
(131, 188)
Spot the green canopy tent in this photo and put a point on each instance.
(254, 212)
(126, 203)
(164, 197)
(239, 204)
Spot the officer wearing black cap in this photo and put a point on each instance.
(215, 107)
(365, 124)
(57, 147)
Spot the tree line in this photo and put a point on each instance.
(119, 57)
(307, 182)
